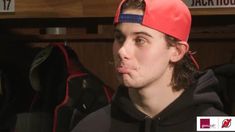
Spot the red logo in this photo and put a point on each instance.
(226, 123)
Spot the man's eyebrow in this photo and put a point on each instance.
(143, 33)
(117, 31)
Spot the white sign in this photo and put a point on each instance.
(210, 3)
(216, 123)
(7, 5)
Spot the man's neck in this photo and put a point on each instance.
(154, 98)
(152, 102)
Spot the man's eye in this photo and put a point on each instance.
(140, 41)
(119, 38)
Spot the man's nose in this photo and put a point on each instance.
(125, 50)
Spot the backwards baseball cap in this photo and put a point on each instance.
(171, 17)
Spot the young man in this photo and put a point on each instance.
(162, 90)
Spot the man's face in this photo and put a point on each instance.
(141, 55)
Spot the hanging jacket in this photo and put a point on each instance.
(199, 99)
(65, 91)
(225, 73)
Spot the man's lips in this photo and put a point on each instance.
(122, 70)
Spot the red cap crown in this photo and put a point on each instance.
(171, 17)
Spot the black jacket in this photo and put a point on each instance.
(200, 99)
(225, 73)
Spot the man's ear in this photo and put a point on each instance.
(179, 51)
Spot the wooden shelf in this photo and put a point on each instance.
(73, 34)
(104, 33)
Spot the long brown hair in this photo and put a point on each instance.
(183, 69)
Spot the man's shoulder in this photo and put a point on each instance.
(98, 121)
(209, 110)
(103, 113)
